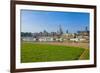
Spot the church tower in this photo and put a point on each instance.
(60, 31)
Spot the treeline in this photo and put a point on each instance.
(26, 34)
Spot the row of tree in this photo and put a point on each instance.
(26, 34)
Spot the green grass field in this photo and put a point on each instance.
(34, 52)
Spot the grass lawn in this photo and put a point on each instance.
(34, 52)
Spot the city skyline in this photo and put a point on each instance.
(38, 21)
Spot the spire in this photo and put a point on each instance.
(66, 31)
(60, 30)
(86, 28)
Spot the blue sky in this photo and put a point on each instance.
(38, 21)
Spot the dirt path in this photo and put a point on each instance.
(75, 44)
(83, 55)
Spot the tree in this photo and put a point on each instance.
(26, 34)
